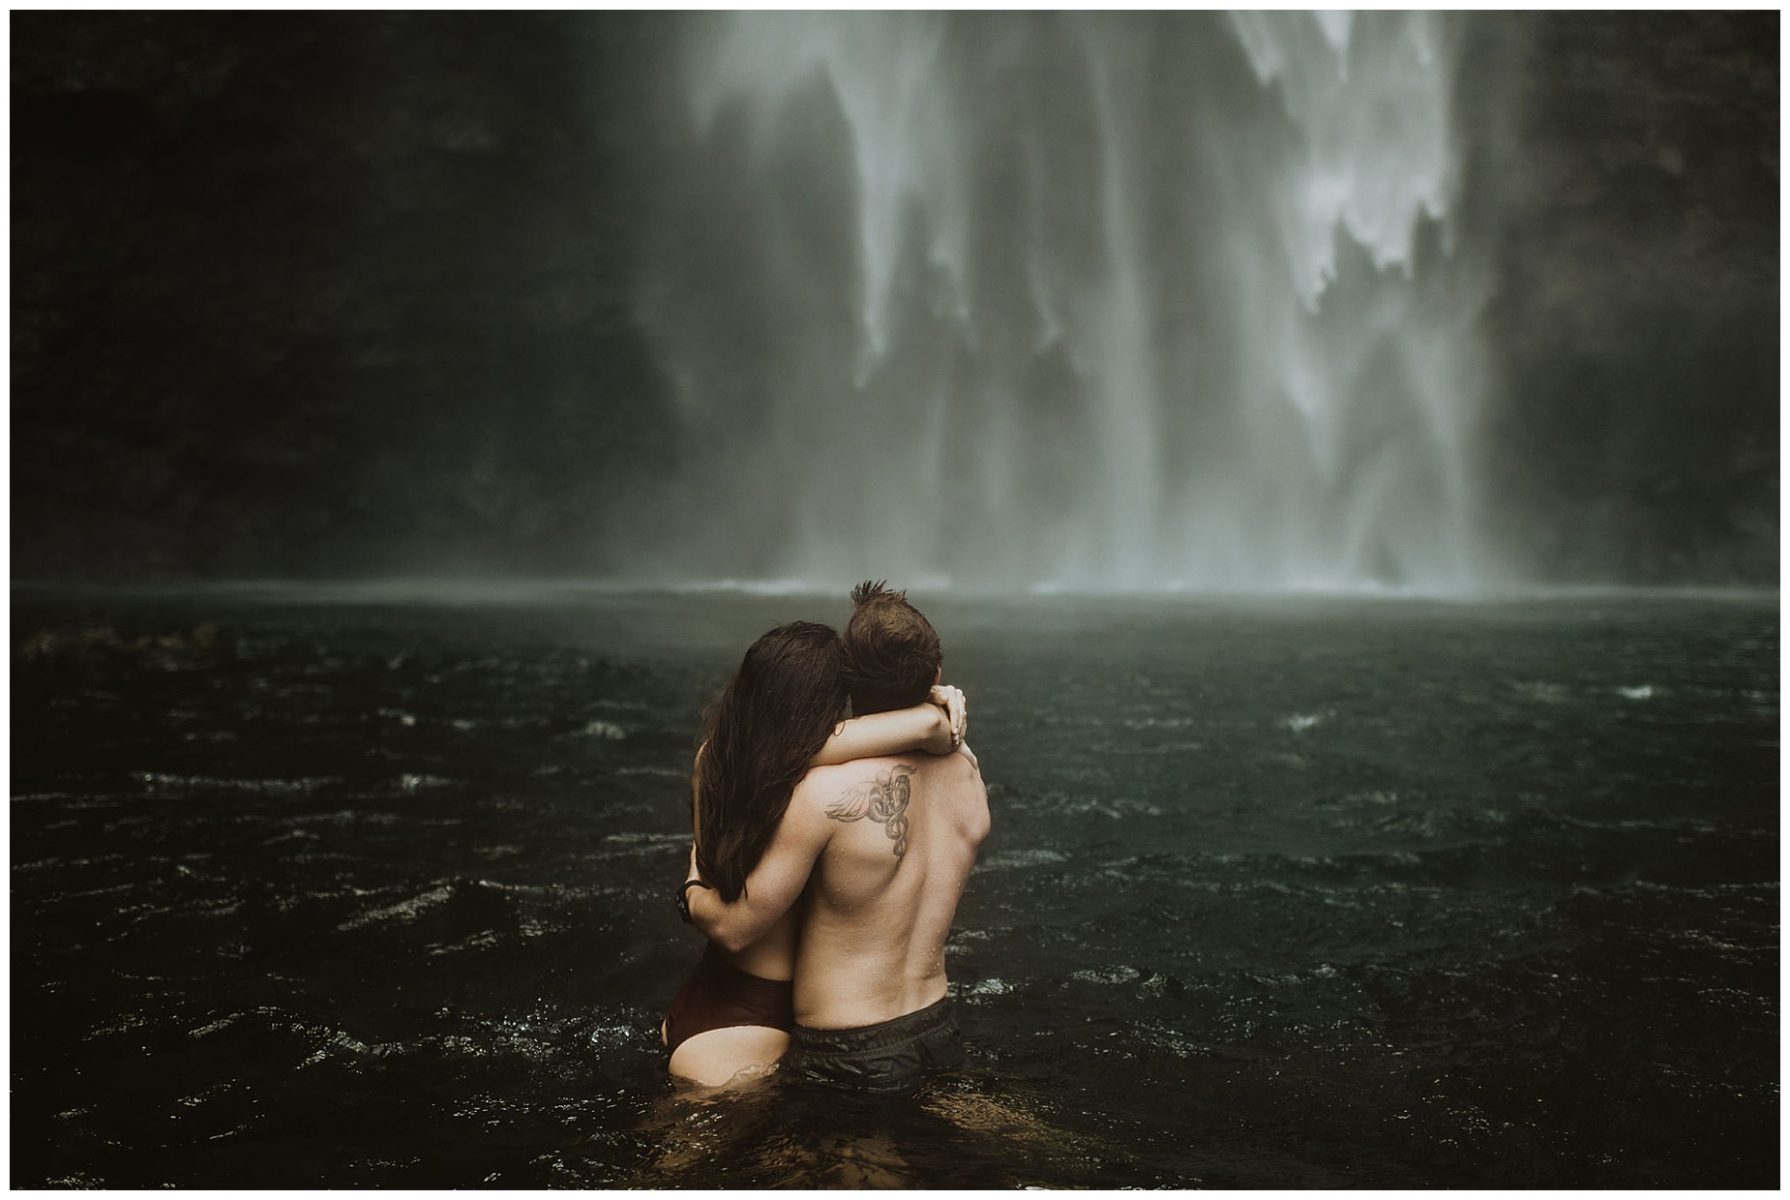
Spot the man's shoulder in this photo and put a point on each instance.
(825, 783)
(821, 787)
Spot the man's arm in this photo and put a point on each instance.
(773, 884)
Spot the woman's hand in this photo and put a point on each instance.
(956, 708)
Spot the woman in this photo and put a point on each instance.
(778, 716)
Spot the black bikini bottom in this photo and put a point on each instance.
(720, 995)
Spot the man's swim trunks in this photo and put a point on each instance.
(720, 995)
(889, 1058)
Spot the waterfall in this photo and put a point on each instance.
(1070, 300)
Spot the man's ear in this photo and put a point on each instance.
(938, 673)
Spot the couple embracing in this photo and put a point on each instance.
(828, 859)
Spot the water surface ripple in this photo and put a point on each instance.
(1337, 893)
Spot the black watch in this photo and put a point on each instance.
(683, 898)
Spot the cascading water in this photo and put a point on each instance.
(1079, 300)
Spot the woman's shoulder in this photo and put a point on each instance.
(696, 778)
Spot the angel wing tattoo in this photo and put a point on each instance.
(883, 799)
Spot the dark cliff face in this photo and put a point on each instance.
(321, 293)
(333, 294)
(1634, 195)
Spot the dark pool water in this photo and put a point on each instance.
(374, 889)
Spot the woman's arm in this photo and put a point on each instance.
(935, 727)
(774, 884)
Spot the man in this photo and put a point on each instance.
(877, 851)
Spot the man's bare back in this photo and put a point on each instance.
(880, 901)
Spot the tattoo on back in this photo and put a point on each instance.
(883, 799)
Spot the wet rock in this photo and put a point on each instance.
(103, 647)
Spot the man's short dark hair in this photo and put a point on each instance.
(892, 653)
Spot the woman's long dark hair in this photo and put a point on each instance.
(773, 716)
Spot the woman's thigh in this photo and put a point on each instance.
(738, 1053)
